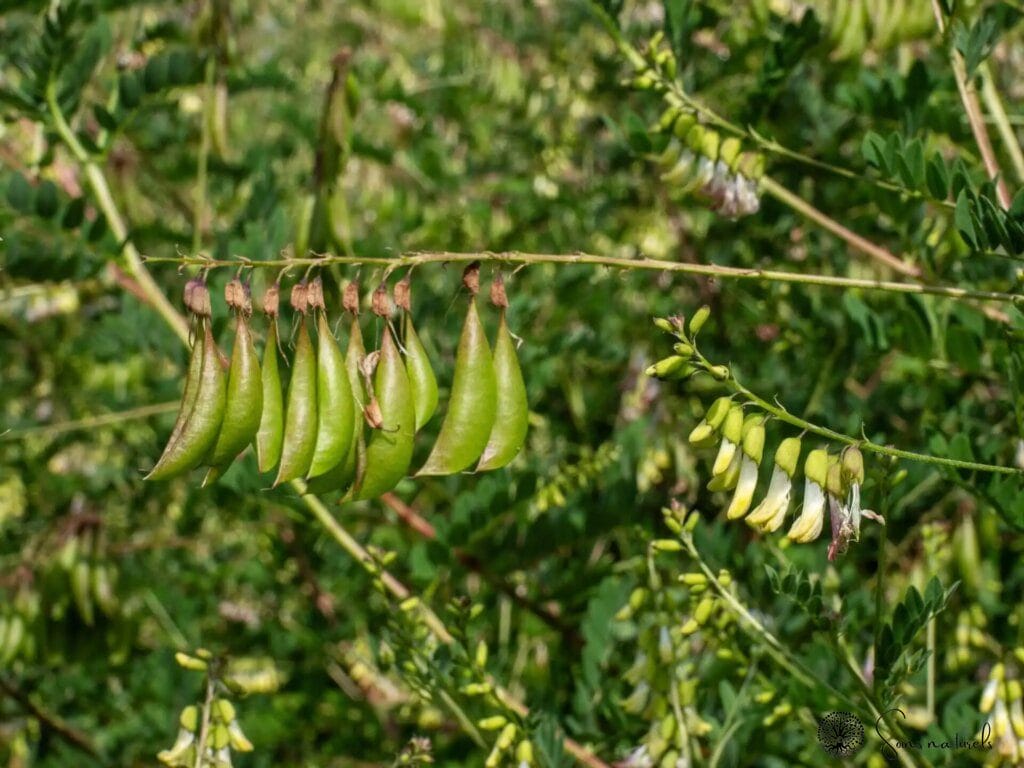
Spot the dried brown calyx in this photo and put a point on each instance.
(315, 295)
(236, 294)
(498, 296)
(403, 293)
(350, 297)
(197, 297)
(299, 300)
(272, 300)
(471, 277)
(380, 304)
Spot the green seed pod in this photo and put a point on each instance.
(344, 475)
(188, 397)
(511, 420)
(389, 449)
(244, 408)
(270, 434)
(335, 405)
(300, 419)
(473, 404)
(699, 318)
(417, 363)
(203, 422)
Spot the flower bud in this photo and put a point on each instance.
(683, 349)
(683, 124)
(719, 372)
(753, 442)
(853, 465)
(492, 723)
(664, 325)
(189, 718)
(666, 545)
(729, 152)
(699, 318)
(816, 466)
(788, 454)
(664, 368)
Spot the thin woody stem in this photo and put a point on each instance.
(862, 244)
(969, 99)
(416, 258)
(105, 200)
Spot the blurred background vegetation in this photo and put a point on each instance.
(488, 126)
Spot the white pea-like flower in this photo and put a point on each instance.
(750, 460)
(769, 515)
(807, 527)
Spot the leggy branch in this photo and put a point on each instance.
(416, 258)
(969, 98)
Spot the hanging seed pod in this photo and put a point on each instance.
(344, 474)
(270, 434)
(391, 415)
(202, 425)
(422, 380)
(300, 420)
(511, 419)
(244, 407)
(473, 404)
(335, 406)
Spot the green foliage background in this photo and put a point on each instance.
(485, 126)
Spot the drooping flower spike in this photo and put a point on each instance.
(769, 515)
(807, 527)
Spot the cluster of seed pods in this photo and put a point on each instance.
(346, 422)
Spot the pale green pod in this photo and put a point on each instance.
(511, 420)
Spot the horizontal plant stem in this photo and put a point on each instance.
(417, 258)
(862, 244)
(783, 415)
(90, 422)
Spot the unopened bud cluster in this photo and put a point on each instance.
(698, 159)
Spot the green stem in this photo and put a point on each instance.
(772, 644)
(416, 258)
(105, 200)
(969, 100)
(783, 415)
(90, 422)
(204, 728)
